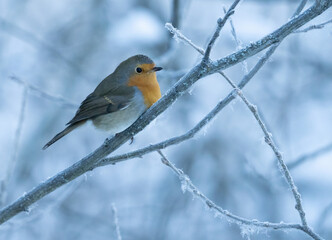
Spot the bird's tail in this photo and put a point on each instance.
(63, 133)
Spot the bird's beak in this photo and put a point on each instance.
(156, 69)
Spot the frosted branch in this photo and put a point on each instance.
(220, 24)
(313, 27)
(187, 185)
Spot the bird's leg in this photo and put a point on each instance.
(131, 140)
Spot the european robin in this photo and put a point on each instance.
(119, 99)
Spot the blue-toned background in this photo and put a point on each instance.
(65, 48)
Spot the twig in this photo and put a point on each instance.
(42, 93)
(220, 24)
(178, 35)
(324, 215)
(270, 142)
(238, 43)
(187, 185)
(304, 158)
(116, 222)
(197, 72)
(17, 139)
(313, 27)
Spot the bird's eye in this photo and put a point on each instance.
(139, 70)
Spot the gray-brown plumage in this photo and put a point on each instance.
(114, 103)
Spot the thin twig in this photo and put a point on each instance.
(220, 24)
(300, 8)
(238, 43)
(179, 36)
(313, 27)
(270, 142)
(187, 185)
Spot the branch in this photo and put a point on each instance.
(187, 185)
(313, 27)
(197, 72)
(300, 8)
(238, 43)
(220, 25)
(270, 142)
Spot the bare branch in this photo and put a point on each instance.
(313, 27)
(220, 25)
(187, 185)
(197, 72)
(178, 35)
(300, 8)
(238, 43)
(270, 142)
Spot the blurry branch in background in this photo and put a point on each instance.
(202, 69)
(17, 138)
(309, 156)
(299, 8)
(313, 27)
(187, 185)
(32, 40)
(171, 47)
(176, 13)
(325, 213)
(116, 222)
(43, 94)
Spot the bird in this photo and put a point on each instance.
(119, 99)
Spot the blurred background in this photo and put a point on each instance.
(54, 53)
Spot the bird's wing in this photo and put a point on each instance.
(94, 106)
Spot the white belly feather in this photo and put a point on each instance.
(118, 121)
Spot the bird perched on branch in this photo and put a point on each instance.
(119, 99)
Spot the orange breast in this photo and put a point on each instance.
(148, 85)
